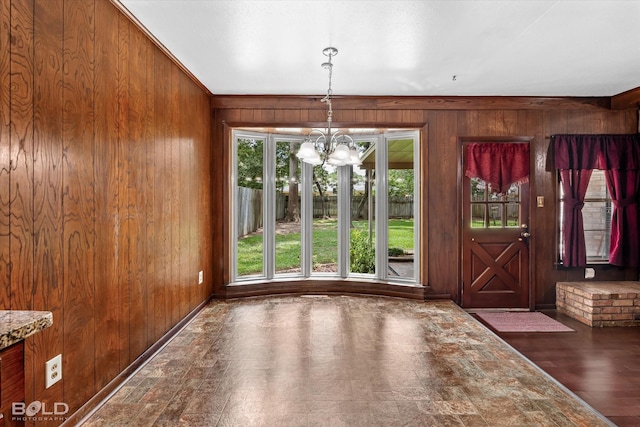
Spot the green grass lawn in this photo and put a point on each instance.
(325, 246)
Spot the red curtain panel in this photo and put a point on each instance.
(619, 156)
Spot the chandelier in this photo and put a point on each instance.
(336, 148)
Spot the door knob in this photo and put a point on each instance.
(525, 234)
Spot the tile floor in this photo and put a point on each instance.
(340, 361)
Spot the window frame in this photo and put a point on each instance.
(268, 273)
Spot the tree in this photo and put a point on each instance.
(369, 175)
(293, 205)
(250, 165)
(401, 182)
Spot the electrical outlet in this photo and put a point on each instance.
(589, 273)
(200, 277)
(53, 371)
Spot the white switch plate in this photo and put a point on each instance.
(200, 277)
(53, 371)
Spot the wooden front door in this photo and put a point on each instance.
(495, 252)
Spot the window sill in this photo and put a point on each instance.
(598, 265)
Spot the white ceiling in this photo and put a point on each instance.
(501, 48)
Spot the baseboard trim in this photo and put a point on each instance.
(93, 404)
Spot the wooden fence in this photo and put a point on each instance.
(399, 207)
(250, 208)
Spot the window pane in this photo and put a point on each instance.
(513, 215)
(250, 213)
(288, 228)
(596, 215)
(478, 190)
(513, 194)
(271, 236)
(597, 244)
(597, 188)
(325, 222)
(362, 235)
(477, 215)
(400, 208)
(597, 224)
(495, 215)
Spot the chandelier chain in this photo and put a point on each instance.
(330, 52)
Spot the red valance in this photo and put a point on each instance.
(499, 164)
(604, 152)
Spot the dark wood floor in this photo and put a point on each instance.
(600, 365)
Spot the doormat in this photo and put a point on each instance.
(526, 321)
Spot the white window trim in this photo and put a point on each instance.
(344, 211)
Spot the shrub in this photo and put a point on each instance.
(363, 253)
(396, 251)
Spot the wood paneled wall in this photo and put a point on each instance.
(446, 121)
(105, 201)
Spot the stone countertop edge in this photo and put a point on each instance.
(16, 325)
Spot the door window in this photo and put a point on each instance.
(492, 210)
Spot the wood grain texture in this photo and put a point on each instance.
(107, 200)
(11, 382)
(78, 216)
(174, 196)
(21, 154)
(270, 104)
(149, 189)
(626, 100)
(162, 232)
(91, 190)
(136, 195)
(122, 170)
(47, 197)
(5, 148)
(189, 278)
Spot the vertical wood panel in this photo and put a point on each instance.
(162, 206)
(124, 166)
(220, 193)
(47, 195)
(184, 145)
(22, 162)
(151, 284)
(135, 193)
(190, 104)
(5, 147)
(206, 186)
(21, 154)
(442, 205)
(78, 203)
(174, 194)
(107, 196)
